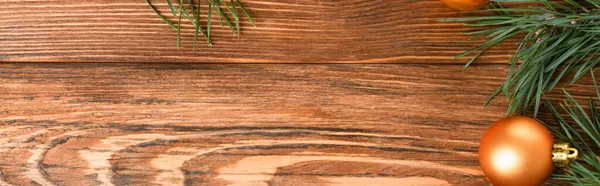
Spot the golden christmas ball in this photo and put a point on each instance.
(465, 5)
(517, 151)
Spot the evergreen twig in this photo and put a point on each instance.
(194, 17)
(559, 38)
(584, 134)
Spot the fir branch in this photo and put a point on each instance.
(559, 39)
(194, 17)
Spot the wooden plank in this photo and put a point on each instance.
(289, 31)
(173, 124)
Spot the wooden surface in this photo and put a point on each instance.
(415, 122)
(288, 31)
(174, 124)
(122, 124)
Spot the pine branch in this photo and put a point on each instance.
(585, 171)
(194, 17)
(559, 39)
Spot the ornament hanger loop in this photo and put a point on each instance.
(563, 154)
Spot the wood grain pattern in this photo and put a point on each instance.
(417, 122)
(175, 124)
(289, 31)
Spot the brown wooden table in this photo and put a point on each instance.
(338, 93)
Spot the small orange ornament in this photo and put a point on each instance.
(517, 151)
(465, 5)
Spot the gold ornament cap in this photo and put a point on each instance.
(563, 154)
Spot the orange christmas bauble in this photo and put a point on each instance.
(465, 5)
(516, 151)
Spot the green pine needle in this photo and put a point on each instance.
(246, 12)
(209, 18)
(179, 25)
(560, 38)
(194, 17)
(174, 10)
(161, 17)
(236, 18)
(222, 15)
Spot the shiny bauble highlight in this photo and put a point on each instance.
(516, 151)
(465, 5)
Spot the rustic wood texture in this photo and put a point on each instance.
(288, 31)
(417, 122)
(174, 124)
